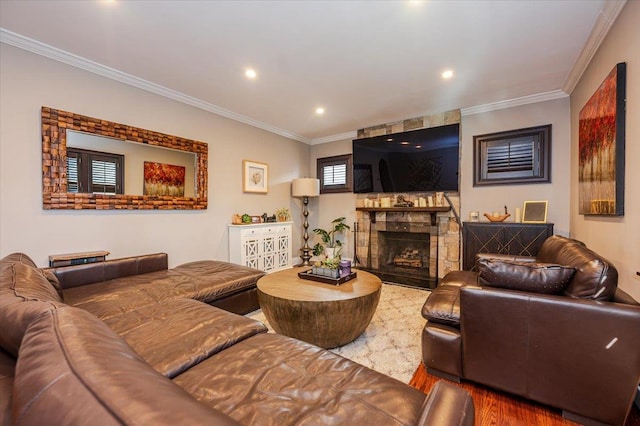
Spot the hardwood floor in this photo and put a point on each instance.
(498, 408)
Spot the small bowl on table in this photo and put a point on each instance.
(493, 218)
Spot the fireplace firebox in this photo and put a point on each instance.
(405, 253)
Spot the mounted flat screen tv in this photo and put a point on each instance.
(417, 161)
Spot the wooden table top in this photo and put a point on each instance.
(287, 285)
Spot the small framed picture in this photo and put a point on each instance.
(255, 177)
(535, 212)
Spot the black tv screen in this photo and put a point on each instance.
(416, 161)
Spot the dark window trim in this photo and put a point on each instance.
(335, 160)
(538, 172)
(85, 157)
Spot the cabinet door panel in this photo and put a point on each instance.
(502, 238)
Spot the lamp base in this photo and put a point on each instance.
(306, 257)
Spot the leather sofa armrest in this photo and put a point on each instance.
(91, 273)
(447, 404)
(576, 354)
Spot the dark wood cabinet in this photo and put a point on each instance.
(523, 239)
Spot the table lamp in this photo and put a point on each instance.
(305, 188)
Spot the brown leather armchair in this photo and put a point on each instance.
(525, 328)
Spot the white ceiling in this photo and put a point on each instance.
(365, 62)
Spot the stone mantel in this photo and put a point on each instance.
(431, 210)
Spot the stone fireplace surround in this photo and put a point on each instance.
(445, 239)
(444, 235)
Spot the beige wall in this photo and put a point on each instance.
(618, 238)
(29, 81)
(332, 206)
(493, 198)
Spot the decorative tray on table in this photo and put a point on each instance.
(307, 275)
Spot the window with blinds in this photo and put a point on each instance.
(516, 156)
(94, 172)
(335, 174)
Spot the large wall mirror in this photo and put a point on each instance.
(132, 168)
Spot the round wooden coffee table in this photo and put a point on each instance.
(325, 315)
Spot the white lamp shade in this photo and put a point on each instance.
(305, 187)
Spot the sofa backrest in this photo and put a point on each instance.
(595, 278)
(90, 273)
(74, 370)
(25, 292)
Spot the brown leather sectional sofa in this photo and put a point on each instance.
(132, 342)
(554, 329)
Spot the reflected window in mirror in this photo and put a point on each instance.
(94, 172)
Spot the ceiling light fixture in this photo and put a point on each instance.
(447, 74)
(319, 110)
(250, 73)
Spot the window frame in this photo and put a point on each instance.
(347, 160)
(84, 171)
(540, 137)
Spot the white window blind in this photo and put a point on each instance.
(103, 176)
(72, 174)
(335, 174)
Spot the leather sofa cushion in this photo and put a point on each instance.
(175, 335)
(7, 368)
(74, 370)
(552, 246)
(533, 277)
(595, 278)
(24, 294)
(460, 278)
(203, 280)
(278, 380)
(443, 305)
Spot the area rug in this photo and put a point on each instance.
(391, 344)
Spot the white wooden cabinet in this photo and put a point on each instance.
(264, 246)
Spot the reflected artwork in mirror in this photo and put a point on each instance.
(62, 129)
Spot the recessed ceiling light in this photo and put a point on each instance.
(390, 140)
(250, 73)
(319, 110)
(418, 146)
(404, 143)
(447, 74)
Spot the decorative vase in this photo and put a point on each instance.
(330, 252)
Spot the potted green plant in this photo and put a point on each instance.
(332, 245)
(331, 267)
(283, 214)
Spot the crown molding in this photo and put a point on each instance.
(34, 46)
(510, 103)
(333, 138)
(608, 15)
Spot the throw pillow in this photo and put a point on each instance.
(534, 277)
